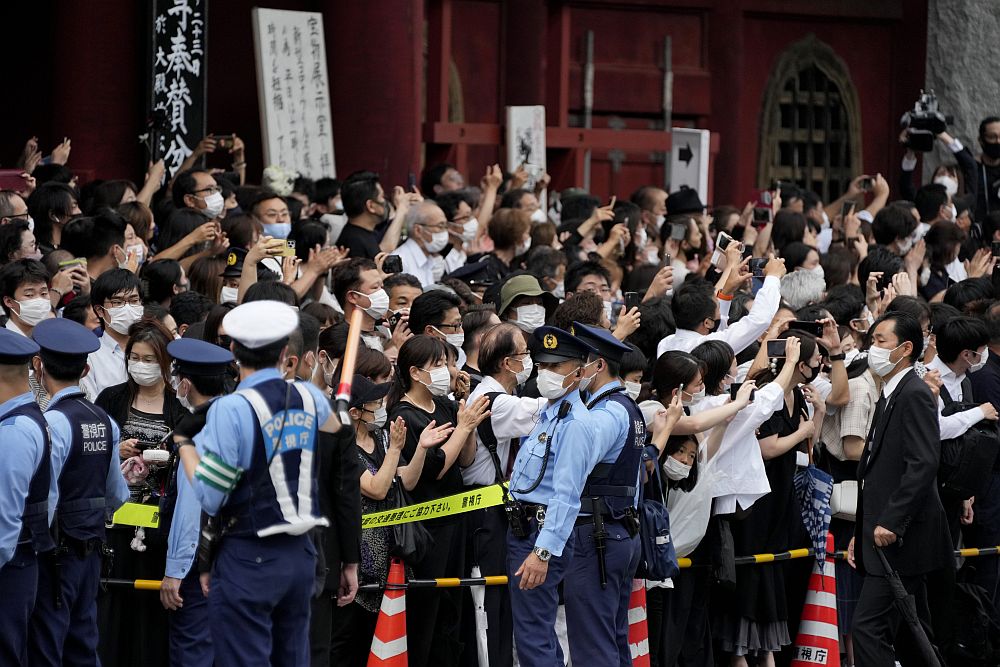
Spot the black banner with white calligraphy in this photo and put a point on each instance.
(178, 79)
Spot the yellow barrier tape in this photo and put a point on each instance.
(477, 499)
(136, 514)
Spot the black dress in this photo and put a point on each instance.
(755, 616)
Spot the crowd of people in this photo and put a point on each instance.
(593, 356)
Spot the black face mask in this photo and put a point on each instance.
(815, 372)
(992, 151)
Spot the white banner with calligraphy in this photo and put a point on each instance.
(294, 91)
(177, 102)
(526, 144)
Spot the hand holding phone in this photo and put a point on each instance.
(631, 301)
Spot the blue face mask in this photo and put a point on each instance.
(278, 230)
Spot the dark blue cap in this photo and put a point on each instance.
(234, 262)
(364, 391)
(552, 345)
(474, 273)
(600, 339)
(58, 335)
(199, 357)
(16, 349)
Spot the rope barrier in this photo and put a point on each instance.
(501, 580)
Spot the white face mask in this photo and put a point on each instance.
(950, 184)
(905, 245)
(878, 360)
(456, 340)
(609, 311)
(229, 294)
(559, 291)
(328, 375)
(633, 389)
(586, 381)
(676, 470)
(818, 270)
(214, 203)
(695, 397)
(379, 300)
(826, 219)
(522, 248)
(639, 239)
(440, 381)
(469, 230)
(550, 383)
(530, 317)
(138, 249)
(145, 374)
(978, 366)
(850, 356)
(538, 217)
(660, 219)
(378, 421)
(124, 317)
(183, 400)
(954, 212)
(437, 243)
(527, 365)
(33, 311)
(652, 255)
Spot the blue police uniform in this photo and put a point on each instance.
(547, 478)
(596, 612)
(24, 492)
(258, 473)
(190, 632)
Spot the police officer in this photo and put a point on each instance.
(24, 495)
(201, 370)
(606, 546)
(253, 465)
(86, 487)
(546, 482)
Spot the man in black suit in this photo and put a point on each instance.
(899, 509)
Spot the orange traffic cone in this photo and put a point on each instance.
(389, 642)
(638, 632)
(818, 642)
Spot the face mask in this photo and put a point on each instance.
(123, 317)
(814, 370)
(379, 419)
(676, 470)
(145, 374)
(183, 400)
(214, 203)
(379, 300)
(826, 219)
(559, 291)
(818, 270)
(550, 384)
(851, 355)
(949, 183)
(469, 230)
(437, 243)
(695, 398)
(925, 276)
(229, 294)
(530, 317)
(527, 365)
(639, 240)
(653, 255)
(33, 311)
(660, 219)
(440, 381)
(586, 381)
(328, 375)
(31, 223)
(978, 366)
(878, 360)
(954, 213)
(992, 151)
(138, 249)
(522, 248)
(37, 255)
(538, 217)
(609, 311)
(905, 245)
(278, 230)
(456, 340)
(633, 389)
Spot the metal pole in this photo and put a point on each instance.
(588, 103)
(668, 105)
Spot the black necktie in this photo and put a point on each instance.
(879, 411)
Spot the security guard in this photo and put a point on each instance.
(201, 370)
(546, 481)
(606, 546)
(24, 495)
(86, 487)
(253, 466)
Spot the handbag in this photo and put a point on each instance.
(844, 501)
(411, 541)
(658, 560)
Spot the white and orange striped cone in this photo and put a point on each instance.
(818, 642)
(638, 632)
(389, 642)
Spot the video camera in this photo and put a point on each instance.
(924, 123)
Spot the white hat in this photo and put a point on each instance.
(260, 323)
(648, 408)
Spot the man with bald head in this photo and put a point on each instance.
(427, 237)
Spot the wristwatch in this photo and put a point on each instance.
(543, 554)
(838, 357)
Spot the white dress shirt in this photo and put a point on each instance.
(740, 335)
(511, 418)
(417, 263)
(107, 368)
(957, 424)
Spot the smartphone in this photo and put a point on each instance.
(814, 328)
(846, 209)
(392, 264)
(224, 141)
(776, 348)
(677, 232)
(762, 216)
(757, 265)
(734, 389)
(393, 319)
(665, 261)
(288, 249)
(12, 179)
(631, 301)
(411, 182)
(70, 263)
(866, 183)
(765, 199)
(996, 248)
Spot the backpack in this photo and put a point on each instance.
(967, 461)
(658, 560)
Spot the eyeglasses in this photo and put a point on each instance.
(131, 301)
(453, 327)
(147, 359)
(434, 228)
(210, 190)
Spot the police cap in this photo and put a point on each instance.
(600, 339)
(59, 336)
(552, 345)
(199, 357)
(16, 349)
